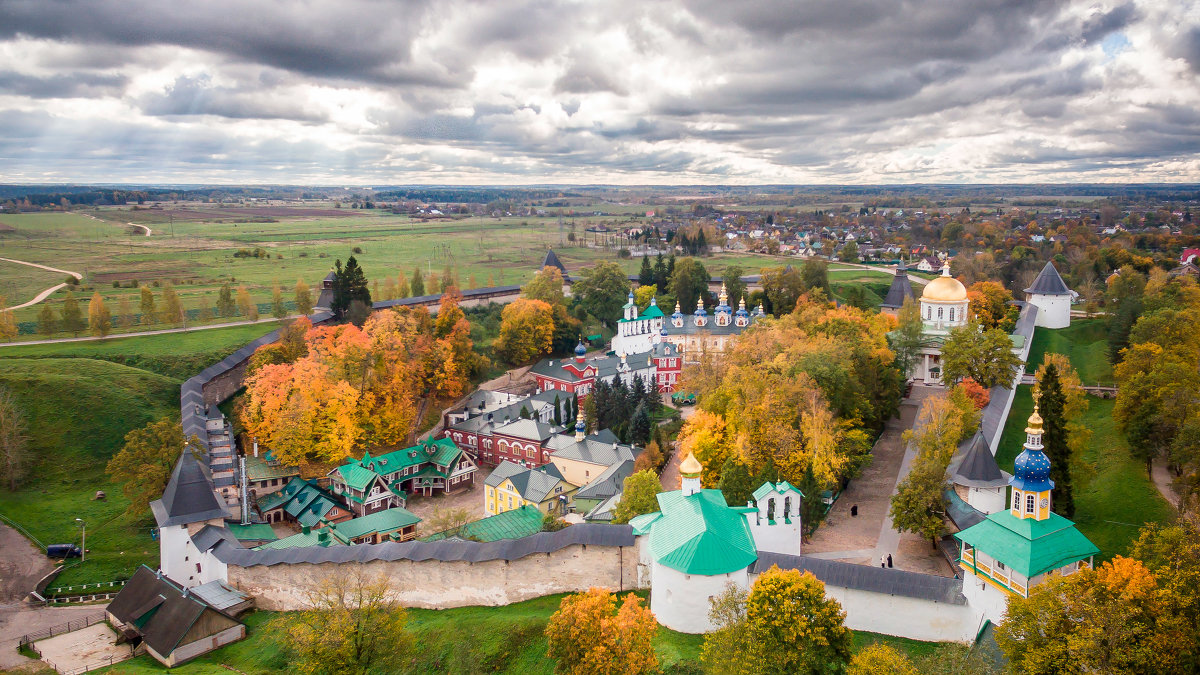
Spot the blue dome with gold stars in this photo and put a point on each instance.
(1031, 471)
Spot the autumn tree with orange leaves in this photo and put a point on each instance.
(591, 635)
(989, 304)
(797, 398)
(358, 388)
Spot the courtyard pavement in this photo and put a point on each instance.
(865, 538)
(88, 647)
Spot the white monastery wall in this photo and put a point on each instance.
(434, 584)
(912, 618)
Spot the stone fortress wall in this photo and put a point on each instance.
(454, 574)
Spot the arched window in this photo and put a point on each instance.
(951, 313)
(771, 509)
(939, 313)
(1016, 500)
(787, 506)
(1029, 503)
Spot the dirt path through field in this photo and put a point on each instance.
(44, 294)
(144, 227)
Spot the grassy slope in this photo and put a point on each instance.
(79, 412)
(1117, 498)
(1084, 342)
(464, 640)
(178, 355)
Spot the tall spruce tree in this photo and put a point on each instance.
(225, 304)
(660, 272)
(349, 284)
(1051, 405)
(646, 275)
(640, 426)
(557, 412)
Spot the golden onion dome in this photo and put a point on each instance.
(945, 288)
(690, 467)
(1035, 423)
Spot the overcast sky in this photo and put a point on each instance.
(594, 91)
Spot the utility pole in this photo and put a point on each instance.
(83, 542)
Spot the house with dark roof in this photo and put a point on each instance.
(511, 486)
(173, 624)
(977, 478)
(187, 506)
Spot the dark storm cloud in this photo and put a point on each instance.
(367, 40)
(686, 90)
(65, 85)
(197, 96)
(1099, 25)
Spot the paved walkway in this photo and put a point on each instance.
(18, 619)
(863, 539)
(1164, 482)
(165, 331)
(44, 294)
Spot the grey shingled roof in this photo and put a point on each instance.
(962, 514)
(975, 466)
(188, 497)
(591, 450)
(551, 260)
(211, 535)
(867, 577)
(445, 550)
(1048, 282)
(531, 484)
(900, 289)
(609, 483)
(526, 428)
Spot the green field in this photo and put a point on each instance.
(78, 413)
(1084, 342)
(1115, 497)
(466, 640)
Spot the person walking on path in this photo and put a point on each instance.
(889, 559)
(883, 561)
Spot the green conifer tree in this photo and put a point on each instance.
(1051, 406)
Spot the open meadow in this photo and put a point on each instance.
(196, 248)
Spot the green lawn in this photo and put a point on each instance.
(465, 640)
(1085, 342)
(1116, 498)
(178, 355)
(78, 413)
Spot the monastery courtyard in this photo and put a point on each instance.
(863, 539)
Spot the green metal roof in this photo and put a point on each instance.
(322, 537)
(252, 532)
(777, 488)
(258, 468)
(356, 476)
(1026, 545)
(445, 453)
(652, 312)
(388, 520)
(700, 534)
(514, 524)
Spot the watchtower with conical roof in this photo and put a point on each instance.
(1049, 293)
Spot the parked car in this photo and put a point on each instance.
(64, 551)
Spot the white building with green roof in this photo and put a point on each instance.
(695, 546)
(637, 333)
(1011, 551)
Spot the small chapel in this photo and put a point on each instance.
(1011, 551)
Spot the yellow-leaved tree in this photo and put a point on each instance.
(526, 331)
(591, 635)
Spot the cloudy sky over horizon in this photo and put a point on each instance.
(539, 91)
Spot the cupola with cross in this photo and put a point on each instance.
(1031, 484)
